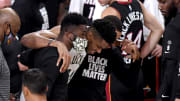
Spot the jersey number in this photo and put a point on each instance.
(88, 11)
(137, 41)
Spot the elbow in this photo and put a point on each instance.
(28, 40)
(24, 40)
(161, 30)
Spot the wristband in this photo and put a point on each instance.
(50, 41)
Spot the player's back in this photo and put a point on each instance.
(132, 19)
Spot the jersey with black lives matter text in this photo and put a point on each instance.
(132, 19)
(76, 60)
(88, 83)
(171, 60)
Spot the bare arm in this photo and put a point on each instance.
(41, 38)
(177, 99)
(56, 30)
(35, 40)
(155, 34)
(62, 11)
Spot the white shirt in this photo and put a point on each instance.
(152, 7)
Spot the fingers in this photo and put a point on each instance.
(22, 67)
(59, 59)
(66, 65)
(157, 51)
(125, 43)
(130, 48)
(12, 98)
(63, 65)
(63, 55)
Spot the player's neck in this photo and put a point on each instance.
(37, 98)
(65, 41)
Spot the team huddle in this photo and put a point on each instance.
(96, 51)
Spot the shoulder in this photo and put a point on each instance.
(47, 52)
(110, 11)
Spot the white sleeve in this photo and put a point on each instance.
(98, 10)
(152, 7)
(76, 6)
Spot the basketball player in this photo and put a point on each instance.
(169, 90)
(132, 13)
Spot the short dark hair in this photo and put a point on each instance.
(116, 21)
(72, 19)
(105, 29)
(36, 81)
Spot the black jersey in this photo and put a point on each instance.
(33, 16)
(132, 19)
(171, 39)
(88, 10)
(53, 11)
(171, 45)
(45, 59)
(88, 83)
(132, 29)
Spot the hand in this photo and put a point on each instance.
(12, 98)
(63, 54)
(130, 48)
(157, 51)
(22, 67)
(177, 99)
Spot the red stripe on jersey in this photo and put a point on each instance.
(157, 75)
(125, 2)
(108, 89)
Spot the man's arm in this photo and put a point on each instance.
(62, 11)
(177, 99)
(110, 11)
(155, 34)
(41, 38)
(36, 40)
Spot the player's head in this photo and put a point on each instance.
(9, 24)
(117, 23)
(100, 35)
(34, 83)
(168, 7)
(73, 25)
(5, 3)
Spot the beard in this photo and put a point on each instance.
(172, 11)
